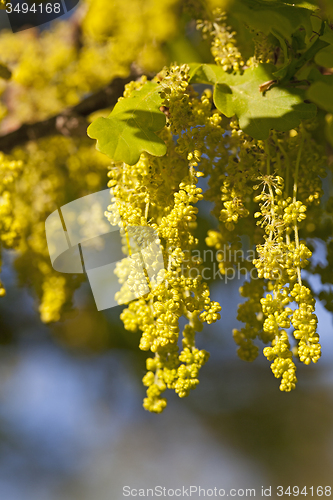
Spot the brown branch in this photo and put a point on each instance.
(71, 121)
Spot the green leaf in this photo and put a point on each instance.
(280, 108)
(5, 72)
(325, 56)
(304, 4)
(278, 16)
(130, 128)
(329, 128)
(208, 73)
(294, 65)
(321, 91)
(297, 65)
(282, 72)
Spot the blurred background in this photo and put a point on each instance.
(72, 424)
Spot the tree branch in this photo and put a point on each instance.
(71, 121)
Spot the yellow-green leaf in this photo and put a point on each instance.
(131, 127)
(279, 108)
(5, 72)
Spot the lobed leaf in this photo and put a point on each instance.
(303, 4)
(280, 108)
(280, 16)
(325, 56)
(321, 90)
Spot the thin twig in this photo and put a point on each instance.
(71, 121)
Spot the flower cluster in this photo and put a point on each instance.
(176, 294)
(161, 194)
(223, 41)
(280, 261)
(56, 68)
(38, 179)
(265, 193)
(10, 227)
(265, 51)
(273, 303)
